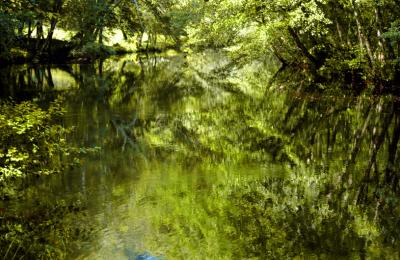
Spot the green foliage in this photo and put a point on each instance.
(344, 36)
(31, 142)
(31, 25)
(93, 50)
(7, 30)
(313, 33)
(44, 231)
(393, 34)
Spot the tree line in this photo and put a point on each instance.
(31, 24)
(350, 39)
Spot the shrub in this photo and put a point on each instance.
(32, 143)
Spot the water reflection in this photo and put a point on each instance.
(198, 161)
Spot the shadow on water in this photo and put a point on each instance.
(194, 159)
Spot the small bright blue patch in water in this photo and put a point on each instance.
(144, 256)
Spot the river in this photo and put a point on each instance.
(194, 156)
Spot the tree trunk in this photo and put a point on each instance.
(39, 35)
(29, 30)
(101, 35)
(39, 30)
(278, 56)
(301, 46)
(339, 32)
(383, 44)
(21, 28)
(139, 40)
(363, 41)
(47, 45)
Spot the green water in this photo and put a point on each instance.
(197, 157)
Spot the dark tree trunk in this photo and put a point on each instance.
(301, 46)
(47, 44)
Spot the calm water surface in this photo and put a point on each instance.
(198, 158)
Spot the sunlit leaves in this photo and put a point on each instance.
(310, 18)
(30, 143)
(393, 33)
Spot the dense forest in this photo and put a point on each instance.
(199, 129)
(360, 38)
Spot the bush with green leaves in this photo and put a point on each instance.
(32, 143)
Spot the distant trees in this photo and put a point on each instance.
(30, 24)
(345, 35)
(89, 18)
(23, 18)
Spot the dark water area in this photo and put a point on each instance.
(193, 157)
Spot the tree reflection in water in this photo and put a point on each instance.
(199, 160)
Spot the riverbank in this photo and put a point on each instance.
(29, 51)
